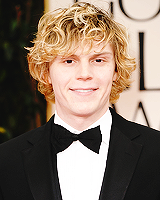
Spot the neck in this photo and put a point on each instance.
(78, 122)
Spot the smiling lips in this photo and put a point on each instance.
(88, 90)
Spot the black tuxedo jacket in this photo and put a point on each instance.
(28, 164)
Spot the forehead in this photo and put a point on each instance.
(87, 48)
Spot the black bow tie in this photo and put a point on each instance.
(62, 138)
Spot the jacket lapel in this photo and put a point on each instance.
(122, 159)
(40, 170)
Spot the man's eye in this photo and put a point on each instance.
(99, 60)
(68, 61)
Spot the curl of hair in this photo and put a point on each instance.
(60, 32)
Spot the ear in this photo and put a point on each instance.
(48, 74)
(46, 77)
(115, 76)
(49, 79)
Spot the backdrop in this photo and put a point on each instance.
(140, 103)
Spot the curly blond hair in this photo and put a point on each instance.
(61, 31)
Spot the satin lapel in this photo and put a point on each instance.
(123, 156)
(39, 170)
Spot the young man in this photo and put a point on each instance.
(86, 151)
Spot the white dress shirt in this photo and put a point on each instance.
(81, 170)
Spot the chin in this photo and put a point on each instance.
(84, 112)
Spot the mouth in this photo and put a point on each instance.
(84, 91)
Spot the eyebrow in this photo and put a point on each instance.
(92, 55)
(108, 54)
(103, 53)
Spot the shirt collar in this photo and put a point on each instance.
(104, 122)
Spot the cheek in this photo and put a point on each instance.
(59, 83)
(55, 78)
(106, 79)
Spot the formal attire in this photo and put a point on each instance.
(80, 170)
(30, 169)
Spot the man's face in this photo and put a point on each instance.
(82, 82)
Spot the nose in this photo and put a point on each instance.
(84, 71)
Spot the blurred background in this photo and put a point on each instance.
(23, 108)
